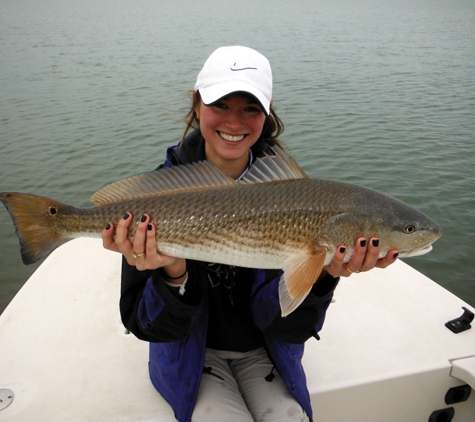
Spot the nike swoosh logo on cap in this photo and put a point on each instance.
(235, 69)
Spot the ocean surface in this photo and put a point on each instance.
(375, 92)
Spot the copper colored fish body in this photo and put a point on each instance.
(275, 218)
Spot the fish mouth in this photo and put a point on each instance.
(231, 138)
(416, 252)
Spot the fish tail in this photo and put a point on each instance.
(36, 224)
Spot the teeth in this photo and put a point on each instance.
(231, 138)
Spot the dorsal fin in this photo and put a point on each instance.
(203, 174)
(186, 176)
(269, 168)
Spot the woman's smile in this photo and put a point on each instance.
(231, 138)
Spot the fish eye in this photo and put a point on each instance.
(410, 228)
(53, 210)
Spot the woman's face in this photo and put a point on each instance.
(230, 127)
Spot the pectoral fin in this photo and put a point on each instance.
(300, 273)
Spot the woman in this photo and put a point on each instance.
(219, 349)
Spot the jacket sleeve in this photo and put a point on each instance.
(305, 322)
(152, 310)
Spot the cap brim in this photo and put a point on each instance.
(213, 93)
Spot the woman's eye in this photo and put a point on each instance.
(219, 105)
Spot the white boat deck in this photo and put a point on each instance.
(385, 354)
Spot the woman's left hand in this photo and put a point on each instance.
(364, 258)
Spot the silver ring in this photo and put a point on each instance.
(137, 255)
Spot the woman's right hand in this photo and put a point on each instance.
(142, 252)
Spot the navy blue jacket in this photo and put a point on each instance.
(176, 326)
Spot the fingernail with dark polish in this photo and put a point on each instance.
(342, 249)
(126, 216)
(108, 226)
(149, 227)
(144, 217)
(375, 242)
(396, 255)
(363, 243)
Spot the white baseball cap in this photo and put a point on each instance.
(235, 69)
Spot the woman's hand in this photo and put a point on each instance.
(142, 252)
(364, 258)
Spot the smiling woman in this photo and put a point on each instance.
(231, 126)
(218, 317)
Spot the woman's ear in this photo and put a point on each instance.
(197, 104)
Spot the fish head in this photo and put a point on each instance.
(367, 213)
(414, 238)
(408, 230)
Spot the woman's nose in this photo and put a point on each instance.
(234, 120)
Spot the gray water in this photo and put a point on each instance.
(378, 93)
